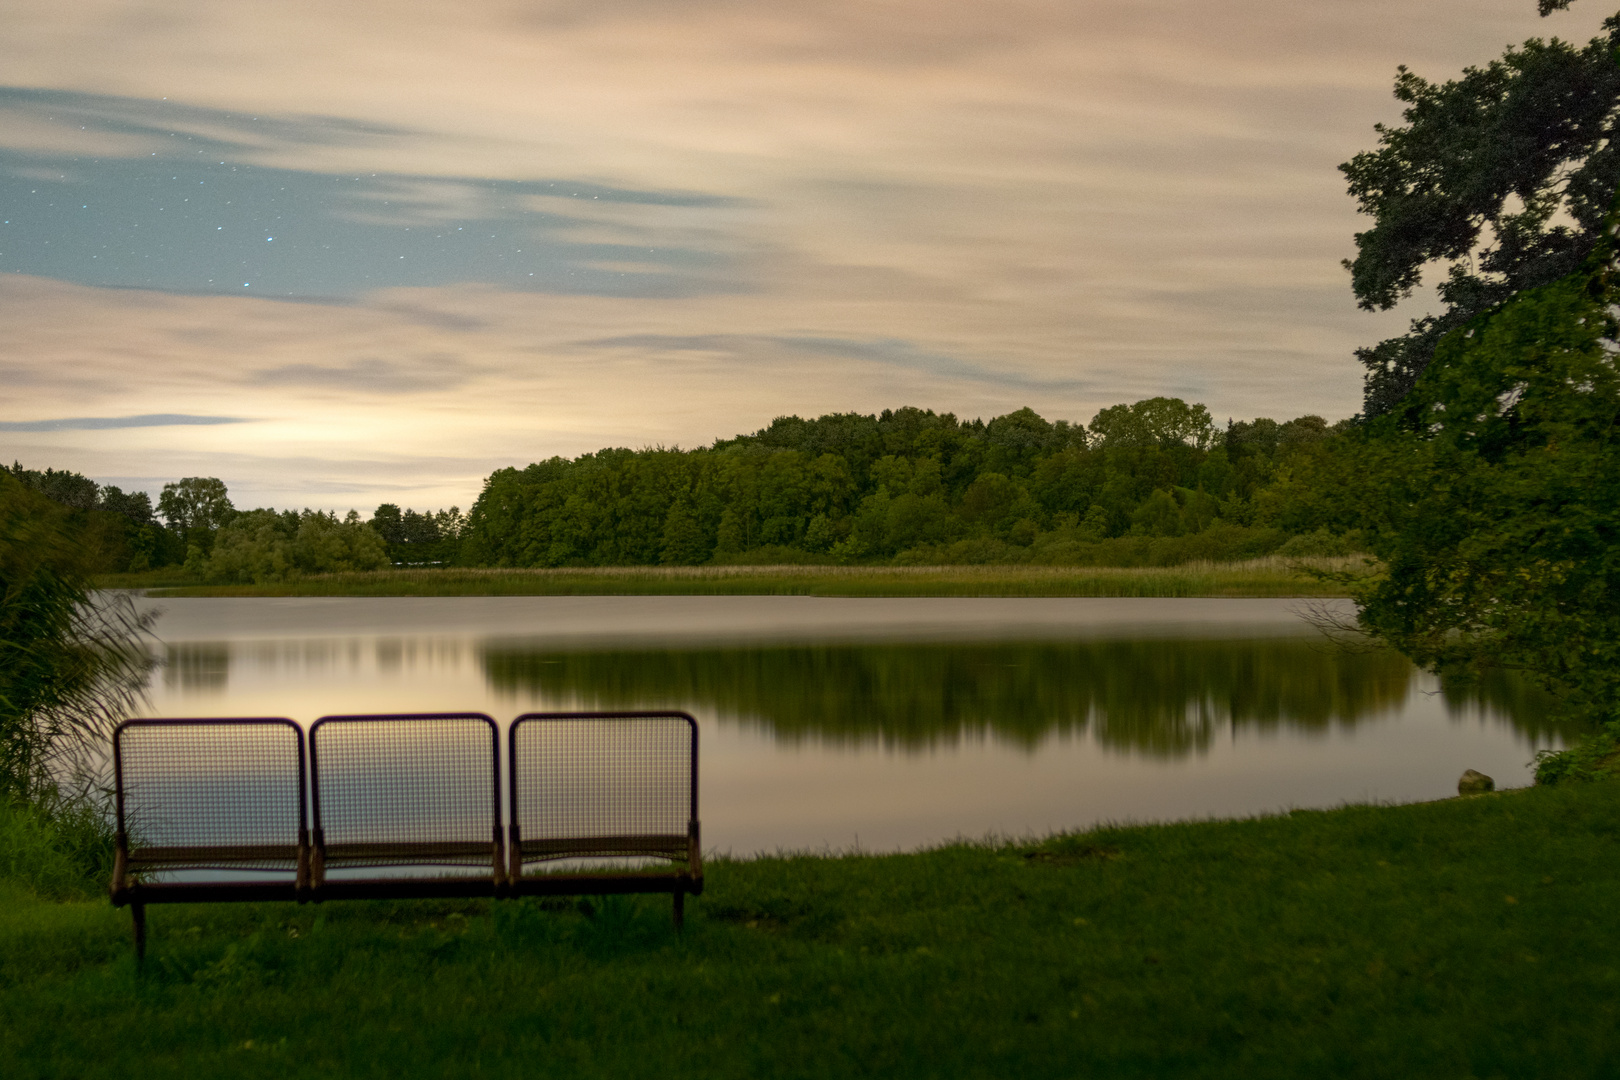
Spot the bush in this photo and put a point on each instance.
(1323, 543)
(1597, 757)
(262, 546)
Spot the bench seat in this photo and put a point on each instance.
(401, 795)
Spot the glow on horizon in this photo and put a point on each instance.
(408, 243)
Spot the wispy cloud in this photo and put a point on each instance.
(894, 352)
(105, 423)
(509, 229)
(188, 199)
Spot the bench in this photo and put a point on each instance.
(214, 794)
(406, 792)
(599, 803)
(604, 786)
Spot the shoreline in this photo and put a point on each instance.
(1272, 577)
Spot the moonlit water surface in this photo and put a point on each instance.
(892, 723)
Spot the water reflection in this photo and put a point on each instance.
(894, 724)
(194, 668)
(1158, 697)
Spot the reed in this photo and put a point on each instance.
(1273, 576)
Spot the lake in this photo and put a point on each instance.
(889, 724)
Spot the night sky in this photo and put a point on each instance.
(342, 254)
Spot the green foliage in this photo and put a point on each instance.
(1504, 175)
(195, 503)
(70, 665)
(910, 486)
(1145, 567)
(417, 539)
(262, 546)
(1493, 498)
(1469, 937)
(60, 486)
(117, 530)
(1156, 421)
(62, 853)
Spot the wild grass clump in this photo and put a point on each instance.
(64, 854)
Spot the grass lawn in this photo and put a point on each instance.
(1465, 938)
(1272, 576)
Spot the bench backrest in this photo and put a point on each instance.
(602, 784)
(219, 793)
(399, 789)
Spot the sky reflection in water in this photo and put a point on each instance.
(893, 743)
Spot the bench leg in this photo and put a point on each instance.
(680, 908)
(139, 912)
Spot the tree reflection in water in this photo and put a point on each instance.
(1165, 698)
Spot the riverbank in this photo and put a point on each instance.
(1462, 937)
(1268, 577)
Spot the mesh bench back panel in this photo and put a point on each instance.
(602, 775)
(405, 780)
(187, 788)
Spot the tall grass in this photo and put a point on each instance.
(1273, 576)
(65, 854)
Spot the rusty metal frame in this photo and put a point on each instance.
(678, 883)
(420, 853)
(136, 894)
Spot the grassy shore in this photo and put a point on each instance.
(1259, 577)
(1470, 937)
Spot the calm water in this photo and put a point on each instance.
(894, 723)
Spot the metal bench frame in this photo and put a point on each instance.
(677, 848)
(129, 889)
(311, 854)
(404, 852)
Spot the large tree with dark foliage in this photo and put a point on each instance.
(1503, 177)
(1494, 505)
(1489, 487)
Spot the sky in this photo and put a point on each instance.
(345, 254)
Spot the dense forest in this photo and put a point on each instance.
(1153, 482)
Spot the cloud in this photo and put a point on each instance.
(188, 199)
(757, 350)
(209, 225)
(108, 423)
(436, 372)
(730, 210)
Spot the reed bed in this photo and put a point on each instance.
(1273, 576)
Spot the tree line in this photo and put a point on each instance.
(196, 528)
(1149, 482)
(1152, 482)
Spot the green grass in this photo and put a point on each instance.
(1272, 576)
(1465, 938)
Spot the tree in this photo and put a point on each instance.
(1159, 421)
(59, 485)
(389, 523)
(1504, 176)
(197, 502)
(136, 505)
(263, 546)
(684, 542)
(1494, 504)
